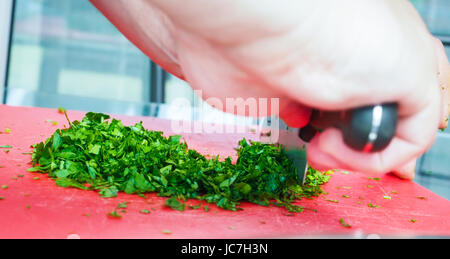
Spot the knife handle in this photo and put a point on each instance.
(367, 129)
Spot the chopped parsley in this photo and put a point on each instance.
(114, 214)
(345, 225)
(62, 110)
(145, 211)
(175, 204)
(103, 155)
(373, 205)
(122, 205)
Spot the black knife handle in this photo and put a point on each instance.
(367, 129)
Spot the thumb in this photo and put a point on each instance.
(407, 171)
(294, 114)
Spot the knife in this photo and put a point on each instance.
(365, 129)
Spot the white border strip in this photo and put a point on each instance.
(6, 7)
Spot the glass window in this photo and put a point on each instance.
(435, 14)
(67, 49)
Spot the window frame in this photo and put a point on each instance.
(155, 80)
(6, 20)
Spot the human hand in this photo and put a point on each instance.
(327, 55)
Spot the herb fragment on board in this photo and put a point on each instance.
(145, 211)
(142, 195)
(4, 186)
(175, 204)
(335, 201)
(166, 231)
(62, 110)
(413, 220)
(345, 225)
(122, 205)
(54, 123)
(101, 154)
(7, 130)
(6, 146)
(114, 214)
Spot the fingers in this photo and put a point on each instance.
(415, 134)
(295, 115)
(406, 171)
(322, 161)
(444, 82)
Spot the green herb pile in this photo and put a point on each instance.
(98, 154)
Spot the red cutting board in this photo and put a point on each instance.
(40, 209)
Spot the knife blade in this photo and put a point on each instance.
(365, 129)
(295, 149)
